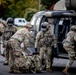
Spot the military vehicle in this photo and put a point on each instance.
(63, 20)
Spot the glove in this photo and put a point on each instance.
(13, 33)
(56, 54)
(54, 51)
(35, 50)
(0, 33)
(3, 46)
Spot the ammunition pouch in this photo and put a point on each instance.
(46, 42)
(8, 34)
(41, 43)
(54, 52)
(67, 45)
(7, 38)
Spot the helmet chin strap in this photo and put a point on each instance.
(43, 30)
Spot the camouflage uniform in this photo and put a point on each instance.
(3, 24)
(45, 40)
(69, 46)
(8, 32)
(16, 54)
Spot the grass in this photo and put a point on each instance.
(19, 28)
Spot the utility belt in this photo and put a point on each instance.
(7, 38)
(47, 44)
(15, 39)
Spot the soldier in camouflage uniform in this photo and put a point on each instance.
(8, 32)
(3, 24)
(16, 54)
(69, 46)
(45, 39)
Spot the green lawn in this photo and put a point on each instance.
(19, 28)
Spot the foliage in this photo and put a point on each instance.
(18, 8)
(48, 3)
(2, 10)
(29, 13)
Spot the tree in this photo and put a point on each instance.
(29, 13)
(48, 3)
(17, 8)
(2, 10)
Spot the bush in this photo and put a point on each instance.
(29, 13)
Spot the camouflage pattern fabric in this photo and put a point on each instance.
(47, 51)
(3, 24)
(69, 46)
(16, 58)
(45, 41)
(36, 59)
(21, 62)
(8, 32)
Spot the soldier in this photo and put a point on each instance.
(45, 39)
(3, 24)
(8, 32)
(69, 46)
(16, 54)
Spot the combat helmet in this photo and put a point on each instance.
(73, 28)
(10, 21)
(44, 26)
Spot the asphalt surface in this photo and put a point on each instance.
(58, 66)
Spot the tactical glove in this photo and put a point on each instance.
(54, 52)
(0, 33)
(35, 50)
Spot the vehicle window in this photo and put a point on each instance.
(62, 26)
(20, 20)
(38, 23)
(33, 20)
(43, 20)
(32, 38)
(23, 21)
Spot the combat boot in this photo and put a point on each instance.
(49, 70)
(66, 71)
(17, 71)
(11, 70)
(5, 62)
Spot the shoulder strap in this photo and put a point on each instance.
(42, 34)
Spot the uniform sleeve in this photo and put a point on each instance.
(3, 40)
(15, 29)
(75, 37)
(37, 40)
(54, 40)
(26, 40)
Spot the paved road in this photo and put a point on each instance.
(58, 66)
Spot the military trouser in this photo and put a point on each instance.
(71, 55)
(5, 50)
(14, 48)
(17, 60)
(47, 51)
